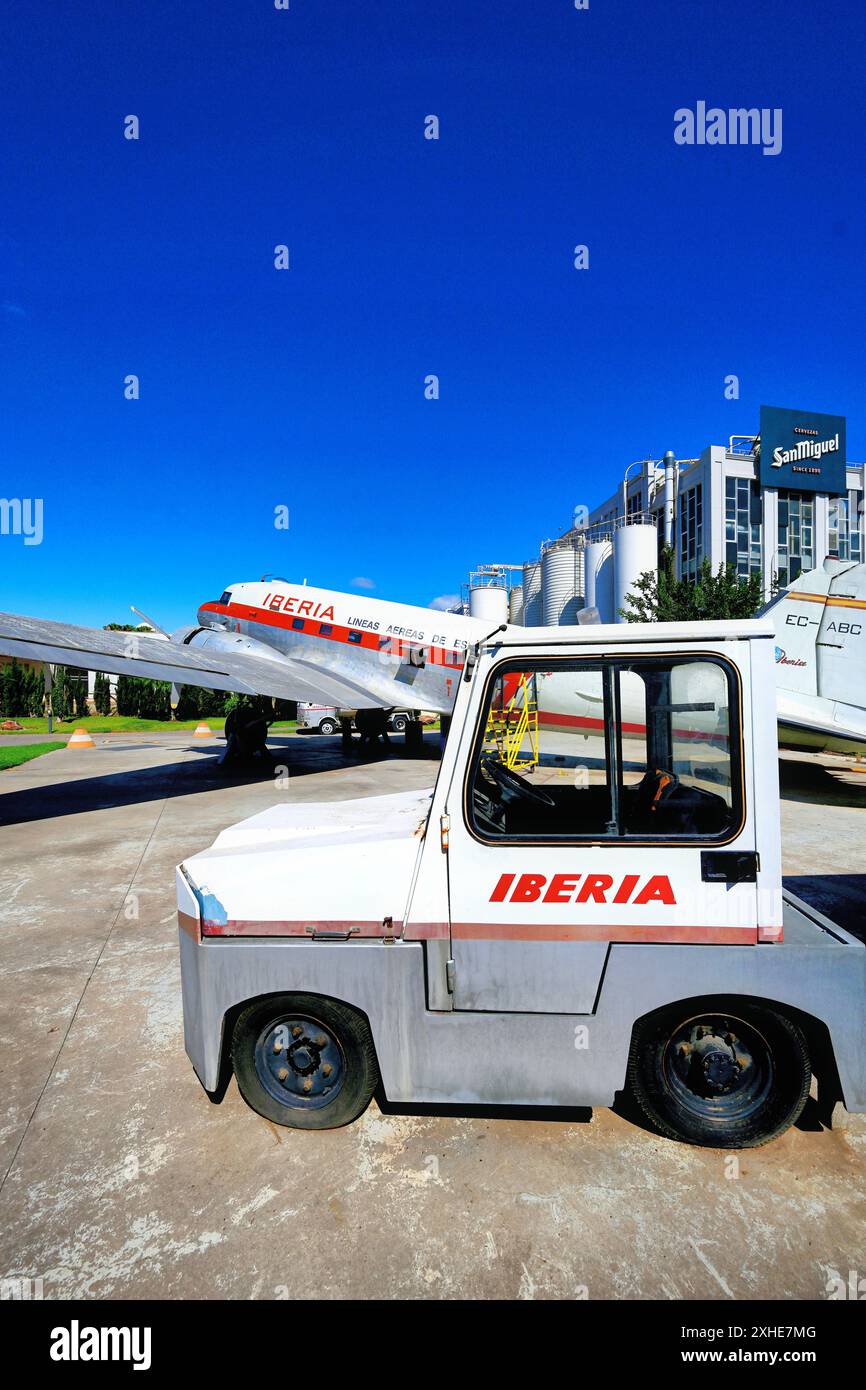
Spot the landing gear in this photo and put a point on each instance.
(304, 1061)
(372, 724)
(414, 735)
(246, 732)
(726, 1074)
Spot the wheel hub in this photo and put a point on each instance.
(720, 1068)
(713, 1063)
(303, 1058)
(300, 1063)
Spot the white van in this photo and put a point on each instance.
(325, 719)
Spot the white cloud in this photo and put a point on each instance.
(362, 583)
(444, 602)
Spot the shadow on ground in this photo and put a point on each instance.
(826, 785)
(841, 897)
(70, 796)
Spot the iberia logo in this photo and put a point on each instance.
(595, 888)
(782, 658)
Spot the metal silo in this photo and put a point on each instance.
(533, 614)
(635, 551)
(490, 602)
(561, 584)
(515, 605)
(599, 579)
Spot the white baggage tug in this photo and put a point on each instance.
(589, 899)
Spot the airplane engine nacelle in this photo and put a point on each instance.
(217, 639)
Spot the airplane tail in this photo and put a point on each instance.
(820, 623)
(797, 614)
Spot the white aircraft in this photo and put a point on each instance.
(294, 642)
(820, 626)
(279, 639)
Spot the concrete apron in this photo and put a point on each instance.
(122, 1180)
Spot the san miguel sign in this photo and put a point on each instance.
(802, 450)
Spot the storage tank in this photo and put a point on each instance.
(561, 580)
(532, 604)
(599, 579)
(635, 550)
(490, 602)
(515, 605)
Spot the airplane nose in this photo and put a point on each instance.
(208, 618)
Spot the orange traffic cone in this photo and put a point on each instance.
(80, 739)
(202, 731)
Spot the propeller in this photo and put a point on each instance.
(156, 627)
(174, 693)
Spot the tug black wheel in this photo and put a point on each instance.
(304, 1061)
(724, 1073)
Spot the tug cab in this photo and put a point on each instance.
(588, 901)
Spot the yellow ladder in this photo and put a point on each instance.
(507, 734)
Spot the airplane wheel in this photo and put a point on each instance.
(304, 1061)
(725, 1073)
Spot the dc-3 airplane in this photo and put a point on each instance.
(291, 641)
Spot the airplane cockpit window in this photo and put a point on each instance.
(226, 597)
(633, 750)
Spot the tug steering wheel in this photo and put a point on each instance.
(509, 781)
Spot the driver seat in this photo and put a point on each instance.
(653, 790)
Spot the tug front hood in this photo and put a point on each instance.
(322, 868)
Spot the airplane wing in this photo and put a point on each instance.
(236, 664)
(820, 725)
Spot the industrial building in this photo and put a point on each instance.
(780, 502)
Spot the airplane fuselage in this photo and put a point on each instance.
(392, 653)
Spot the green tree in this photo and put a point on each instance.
(60, 694)
(102, 694)
(13, 681)
(34, 694)
(69, 693)
(659, 597)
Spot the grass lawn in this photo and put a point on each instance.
(123, 724)
(11, 757)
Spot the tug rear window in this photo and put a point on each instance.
(628, 750)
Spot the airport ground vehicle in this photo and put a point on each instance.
(583, 903)
(326, 718)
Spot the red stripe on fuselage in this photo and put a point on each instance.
(335, 632)
(578, 721)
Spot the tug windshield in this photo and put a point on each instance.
(643, 749)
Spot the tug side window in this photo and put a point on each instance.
(640, 750)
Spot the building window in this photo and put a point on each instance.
(691, 532)
(634, 506)
(795, 549)
(844, 527)
(743, 520)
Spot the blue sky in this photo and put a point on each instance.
(305, 388)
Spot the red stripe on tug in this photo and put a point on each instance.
(625, 933)
(672, 933)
